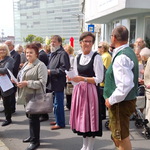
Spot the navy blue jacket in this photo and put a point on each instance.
(15, 55)
(43, 57)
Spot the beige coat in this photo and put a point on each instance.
(36, 75)
(147, 77)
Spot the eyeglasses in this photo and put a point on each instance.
(111, 36)
(99, 46)
(2, 50)
(90, 42)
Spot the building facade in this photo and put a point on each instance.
(48, 17)
(134, 14)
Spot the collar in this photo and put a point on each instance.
(89, 54)
(118, 49)
(41, 50)
(12, 51)
(33, 64)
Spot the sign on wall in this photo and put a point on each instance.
(91, 28)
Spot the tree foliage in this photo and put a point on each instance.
(33, 38)
(29, 38)
(39, 39)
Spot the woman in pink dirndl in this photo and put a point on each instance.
(85, 116)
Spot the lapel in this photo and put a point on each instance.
(27, 67)
(55, 53)
(41, 51)
(12, 53)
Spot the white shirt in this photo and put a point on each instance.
(97, 65)
(123, 75)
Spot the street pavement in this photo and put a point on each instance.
(63, 139)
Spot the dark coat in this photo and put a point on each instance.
(43, 57)
(6, 63)
(58, 63)
(15, 55)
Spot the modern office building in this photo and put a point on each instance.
(48, 17)
(134, 14)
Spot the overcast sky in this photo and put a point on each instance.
(6, 17)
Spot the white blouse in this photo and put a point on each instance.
(97, 65)
(123, 75)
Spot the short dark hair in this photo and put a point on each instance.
(121, 33)
(38, 44)
(59, 39)
(85, 34)
(34, 47)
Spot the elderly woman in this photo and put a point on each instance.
(145, 54)
(103, 49)
(19, 48)
(85, 117)
(32, 79)
(6, 62)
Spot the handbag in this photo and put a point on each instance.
(68, 89)
(39, 103)
(141, 91)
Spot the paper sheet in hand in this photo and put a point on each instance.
(5, 83)
(12, 76)
(71, 74)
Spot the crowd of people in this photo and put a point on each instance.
(104, 79)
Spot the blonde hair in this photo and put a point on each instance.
(47, 48)
(105, 46)
(69, 49)
(4, 46)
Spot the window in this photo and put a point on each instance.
(23, 14)
(66, 20)
(58, 17)
(147, 31)
(50, 1)
(36, 13)
(36, 22)
(65, 10)
(29, 17)
(50, 11)
(28, 1)
(23, 24)
(132, 30)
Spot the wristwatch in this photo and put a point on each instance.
(85, 79)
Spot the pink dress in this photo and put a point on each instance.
(84, 115)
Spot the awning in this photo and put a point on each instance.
(123, 13)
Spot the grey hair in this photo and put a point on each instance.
(145, 52)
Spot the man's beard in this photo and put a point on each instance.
(53, 49)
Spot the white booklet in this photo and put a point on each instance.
(71, 74)
(12, 76)
(5, 83)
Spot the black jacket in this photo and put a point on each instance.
(6, 63)
(15, 55)
(43, 57)
(58, 63)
